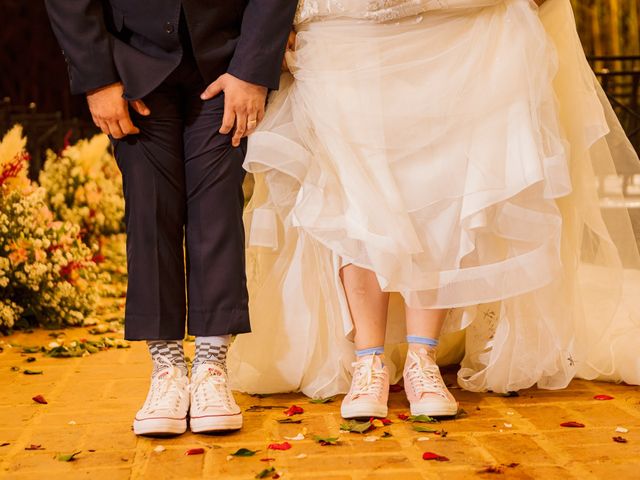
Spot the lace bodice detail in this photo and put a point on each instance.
(378, 10)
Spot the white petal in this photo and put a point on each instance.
(300, 436)
(622, 430)
(159, 449)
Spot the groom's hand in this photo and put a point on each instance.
(244, 105)
(110, 111)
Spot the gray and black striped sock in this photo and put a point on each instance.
(167, 350)
(211, 350)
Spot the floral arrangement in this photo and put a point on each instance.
(84, 187)
(47, 273)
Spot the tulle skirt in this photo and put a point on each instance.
(434, 152)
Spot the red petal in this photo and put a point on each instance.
(267, 459)
(603, 397)
(39, 399)
(279, 446)
(572, 424)
(194, 451)
(404, 416)
(434, 456)
(385, 421)
(293, 410)
(396, 388)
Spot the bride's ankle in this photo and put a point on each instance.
(423, 346)
(363, 353)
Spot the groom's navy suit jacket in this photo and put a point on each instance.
(138, 41)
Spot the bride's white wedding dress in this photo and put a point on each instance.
(453, 147)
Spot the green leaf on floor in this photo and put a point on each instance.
(68, 457)
(245, 452)
(30, 359)
(30, 349)
(266, 472)
(420, 428)
(355, 426)
(422, 419)
(324, 441)
(322, 400)
(33, 372)
(289, 420)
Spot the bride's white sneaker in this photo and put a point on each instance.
(165, 410)
(213, 407)
(425, 389)
(369, 390)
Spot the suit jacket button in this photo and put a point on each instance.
(168, 27)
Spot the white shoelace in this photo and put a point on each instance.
(425, 377)
(366, 380)
(210, 388)
(167, 391)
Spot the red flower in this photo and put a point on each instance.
(194, 451)
(279, 446)
(603, 397)
(403, 416)
(98, 258)
(434, 456)
(293, 410)
(40, 399)
(572, 424)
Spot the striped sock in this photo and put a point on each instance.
(211, 350)
(163, 350)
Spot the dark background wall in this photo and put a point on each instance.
(31, 65)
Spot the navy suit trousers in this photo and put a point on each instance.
(184, 202)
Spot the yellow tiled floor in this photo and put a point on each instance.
(92, 400)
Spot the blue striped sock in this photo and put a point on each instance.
(431, 342)
(370, 351)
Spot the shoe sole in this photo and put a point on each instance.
(160, 426)
(364, 411)
(435, 410)
(215, 423)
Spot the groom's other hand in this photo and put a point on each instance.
(110, 111)
(244, 104)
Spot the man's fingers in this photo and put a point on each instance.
(228, 120)
(102, 125)
(127, 127)
(140, 107)
(212, 90)
(252, 122)
(115, 130)
(241, 128)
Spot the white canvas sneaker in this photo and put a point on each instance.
(369, 390)
(165, 410)
(213, 407)
(425, 389)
